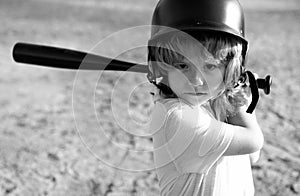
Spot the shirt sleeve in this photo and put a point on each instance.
(194, 139)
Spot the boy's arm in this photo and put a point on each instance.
(247, 132)
(247, 135)
(248, 121)
(243, 119)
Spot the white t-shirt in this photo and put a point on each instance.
(188, 147)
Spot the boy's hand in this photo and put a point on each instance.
(242, 118)
(246, 93)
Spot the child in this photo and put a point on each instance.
(204, 141)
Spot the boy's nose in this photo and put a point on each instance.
(197, 79)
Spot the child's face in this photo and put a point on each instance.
(198, 77)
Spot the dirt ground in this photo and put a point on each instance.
(68, 133)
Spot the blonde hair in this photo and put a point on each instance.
(226, 49)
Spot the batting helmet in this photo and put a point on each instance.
(223, 17)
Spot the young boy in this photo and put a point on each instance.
(203, 137)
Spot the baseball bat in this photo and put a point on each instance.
(70, 59)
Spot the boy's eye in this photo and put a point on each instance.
(181, 66)
(210, 67)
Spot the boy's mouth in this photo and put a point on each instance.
(197, 94)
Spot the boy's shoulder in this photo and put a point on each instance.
(169, 105)
(168, 101)
(165, 106)
(175, 108)
(172, 102)
(161, 111)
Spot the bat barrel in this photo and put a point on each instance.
(70, 59)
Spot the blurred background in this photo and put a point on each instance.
(62, 132)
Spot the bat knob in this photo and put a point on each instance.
(265, 84)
